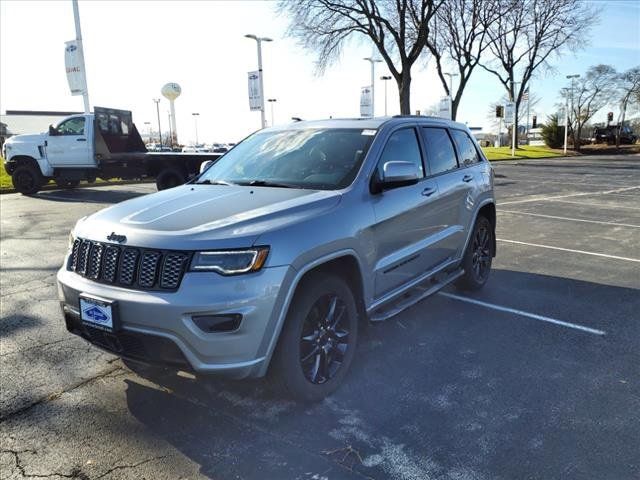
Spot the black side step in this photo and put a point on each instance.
(413, 296)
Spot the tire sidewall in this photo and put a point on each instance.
(287, 360)
(469, 280)
(35, 175)
(167, 177)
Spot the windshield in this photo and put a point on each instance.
(324, 159)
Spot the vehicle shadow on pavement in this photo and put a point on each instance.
(89, 195)
(447, 389)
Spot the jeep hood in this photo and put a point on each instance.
(193, 217)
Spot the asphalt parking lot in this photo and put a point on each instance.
(535, 377)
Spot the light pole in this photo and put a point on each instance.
(148, 124)
(566, 125)
(373, 62)
(386, 78)
(451, 75)
(259, 41)
(272, 101)
(195, 121)
(513, 120)
(157, 102)
(76, 19)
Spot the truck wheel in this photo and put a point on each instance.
(27, 179)
(69, 184)
(477, 258)
(170, 177)
(318, 341)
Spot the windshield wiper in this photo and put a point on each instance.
(267, 183)
(214, 182)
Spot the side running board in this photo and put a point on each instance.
(414, 295)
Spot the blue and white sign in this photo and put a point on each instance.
(96, 313)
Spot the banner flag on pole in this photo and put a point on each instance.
(75, 70)
(255, 99)
(366, 104)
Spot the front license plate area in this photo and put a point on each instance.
(99, 313)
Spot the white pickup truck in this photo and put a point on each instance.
(104, 144)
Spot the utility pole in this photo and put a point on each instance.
(566, 124)
(373, 62)
(272, 101)
(157, 102)
(76, 19)
(259, 41)
(386, 78)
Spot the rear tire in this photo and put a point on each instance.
(318, 341)
(478, 256)
(27, 179)
(170, 177)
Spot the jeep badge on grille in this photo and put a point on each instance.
(117, 238)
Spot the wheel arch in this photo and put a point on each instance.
(344, 261)
(486, 209)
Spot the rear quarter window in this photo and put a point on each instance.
(466, 148)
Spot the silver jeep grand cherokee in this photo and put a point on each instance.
(270, 259)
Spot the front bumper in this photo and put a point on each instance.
(158, 327)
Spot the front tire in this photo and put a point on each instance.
(318, 341)
(170, 177)
(478, 256)
(27, 179)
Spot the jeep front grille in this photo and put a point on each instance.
(138, 268)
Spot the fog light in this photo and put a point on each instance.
(218, 323)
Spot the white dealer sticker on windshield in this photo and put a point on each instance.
(368, 132)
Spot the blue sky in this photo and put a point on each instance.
(132, 48)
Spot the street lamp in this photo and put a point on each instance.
(259, 41)
(373, 62)
(566, 114)
(148, 124)
(385, 78)
(272, 101)
(195, 121)
(157, 102)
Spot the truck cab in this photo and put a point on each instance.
(104, 144)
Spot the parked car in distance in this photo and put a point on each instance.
(271, 260)
(608, 135)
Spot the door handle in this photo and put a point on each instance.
(427, 192)
(81, 139)
(467, 178)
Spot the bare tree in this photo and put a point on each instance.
(398, 28)
(459, 37)
(629, 88)
(529, 34)
(591, 92)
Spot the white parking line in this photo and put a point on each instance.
(569, 219)
(599, 205)
(615, 257)
(522, 313)
(554, 197)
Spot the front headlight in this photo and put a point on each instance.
(230, 262)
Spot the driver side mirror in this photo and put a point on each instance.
(52, 131)
(205, 165)
(396, 174)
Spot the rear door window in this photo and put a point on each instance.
(466, 148)
(441, 155)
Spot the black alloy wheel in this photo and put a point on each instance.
(325, 339)
(481, 256)
(27, 180)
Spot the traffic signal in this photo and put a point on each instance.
(499, 111)
(534, 122)
(610, 117)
